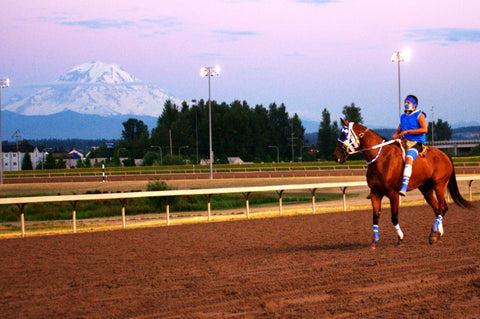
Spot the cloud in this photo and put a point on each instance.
(160, 25)
(207, 55)
(164, 22)
(445, 35)
(156, 25)
(233, 35)
(317, 1)
(101, 24)
(295, 54)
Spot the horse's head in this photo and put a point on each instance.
(347, 143)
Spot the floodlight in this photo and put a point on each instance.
(4, 83)
(209, 71)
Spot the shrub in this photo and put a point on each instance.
(172, 160)
(159, 202)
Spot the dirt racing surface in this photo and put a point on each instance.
(302, 266)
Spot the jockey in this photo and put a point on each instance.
(412, 130)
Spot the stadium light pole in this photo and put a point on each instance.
(210, 71)
(400, 56)
(3, 84)
(194, 104)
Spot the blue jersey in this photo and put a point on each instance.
(410, 122)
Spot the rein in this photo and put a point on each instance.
(375, 146)
(379, 151)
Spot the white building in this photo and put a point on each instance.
(13, 158)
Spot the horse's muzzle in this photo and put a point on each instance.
(340, 154)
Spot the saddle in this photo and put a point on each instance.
(406, 144)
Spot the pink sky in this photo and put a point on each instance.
(308, 54)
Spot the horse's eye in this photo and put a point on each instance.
(343, 136)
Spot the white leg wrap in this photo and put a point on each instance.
(438, 225)
(399, 231)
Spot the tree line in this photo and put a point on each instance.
(255, 134)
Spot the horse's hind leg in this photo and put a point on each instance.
(428, 194)
(442, 203)
(439, 207)
(442, 209)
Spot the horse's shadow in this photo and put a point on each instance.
(341, 246)
(331, 247)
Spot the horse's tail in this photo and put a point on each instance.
(455, 192)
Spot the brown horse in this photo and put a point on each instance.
(432, 173)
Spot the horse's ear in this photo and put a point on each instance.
(344, 122)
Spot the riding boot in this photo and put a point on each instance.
(407, 172)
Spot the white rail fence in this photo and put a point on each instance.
(246, 191)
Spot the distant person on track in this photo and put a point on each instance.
(412, 130)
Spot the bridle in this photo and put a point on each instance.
(351, 142)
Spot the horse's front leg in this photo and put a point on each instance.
(394, 204)
(376, 205)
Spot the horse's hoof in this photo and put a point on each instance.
(399, 242)
(432, 239)
(373, 246)
(439, 237)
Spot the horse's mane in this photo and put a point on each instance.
(373, 131)
(381, 136)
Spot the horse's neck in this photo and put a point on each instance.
(370, 140)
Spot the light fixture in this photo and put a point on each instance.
(210, 71)
(3, 84)
(400, 56)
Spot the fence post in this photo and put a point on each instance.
(247, 195)
(209, 211)
(280, 207)
(313, 200)
(74, 214)
(123, 201)
(21, 207)
(167, 207)
(22, 222)
(470, 189)
(344, 189)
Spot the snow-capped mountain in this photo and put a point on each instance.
(98, 72)
(95, 88)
